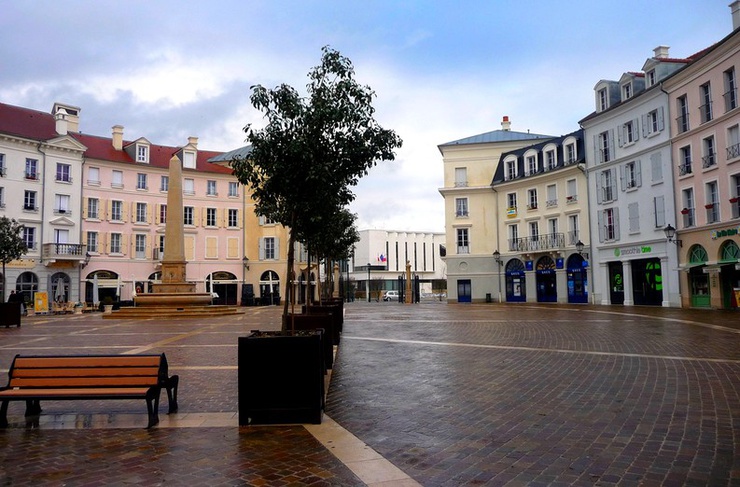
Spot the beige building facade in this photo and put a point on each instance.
(472, 209)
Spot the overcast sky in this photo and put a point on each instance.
(442, 70)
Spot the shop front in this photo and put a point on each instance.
(516, 288)
(712, 268)
(547, 288)
(577, 269)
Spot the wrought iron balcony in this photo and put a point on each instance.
(63, 251)
(549, 241)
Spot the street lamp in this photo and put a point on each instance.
(497, 258)
(579, 247)
(368, 282)
(670, 234)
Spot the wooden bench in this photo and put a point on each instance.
(78, 377)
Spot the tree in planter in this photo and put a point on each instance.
(335, 239)
(12, 245)
(312, 151)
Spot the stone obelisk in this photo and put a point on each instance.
(173, 261)
(174, 289)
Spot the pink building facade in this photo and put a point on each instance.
(124, 212)
(705, 144)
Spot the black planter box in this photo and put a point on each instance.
(337, 313)
(281, 378)
(10, 314)
(316, 321)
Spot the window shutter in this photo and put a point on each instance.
(657, 167)
(109, 209)
(262, 248)
(84, 207)
(621, 136)
(157, 214)
(148, 213)
(124, 242)
(622, 183)
(106, 239)
(147, 247)
(232, 247)
(600, 224)
(644, 125)
(277, 248)
(635, 129)
(597, 158)
(638, 173)
(615, 194)
(599, 188)
(261, 220)
(659, 212)
(190, 247)
(616, 223)
(660, 119)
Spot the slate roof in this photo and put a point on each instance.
(498, 176)
(36, 125)
(496, 136)
(228, 156)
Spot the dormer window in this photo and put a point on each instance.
(650, 75)
(510, 169)
(142, 153)
(627, 91)
(188, 159)
(603, 100)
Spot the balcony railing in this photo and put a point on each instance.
(730, 99)
(540, 242)
(733, 151)
(684, 169)
(705, 112)
(682, 123)
(64, 251)
(708, 161)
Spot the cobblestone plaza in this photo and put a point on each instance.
(430, 394)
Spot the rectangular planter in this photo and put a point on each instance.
(10, 314)
(337, 313)
(324, 322)
(281, 378)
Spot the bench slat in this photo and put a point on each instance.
(137, 392)
(88, 372)
(88, 361)
(84, 382)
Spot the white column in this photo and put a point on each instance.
(629, 298)
(664, 280)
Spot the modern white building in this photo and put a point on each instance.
(380, 258)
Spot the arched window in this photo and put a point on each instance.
(515, 265)
(545, 263)
(729, 252)
(27, 284)
(698, 255)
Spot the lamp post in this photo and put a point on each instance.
(368, 282)
(670, 234)
(497, 258)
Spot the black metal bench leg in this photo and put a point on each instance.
(172, 393)
(33, 407)
(4, 415)
(152, 407)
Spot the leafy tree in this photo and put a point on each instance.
(12, 245)
(312, 151)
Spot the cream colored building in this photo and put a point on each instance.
(543, 236)
(472, 211)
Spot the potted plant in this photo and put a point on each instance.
(734, 199)
(709, 206)
(300, 169)
(107, 304)
(685, 211)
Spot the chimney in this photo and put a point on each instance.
(194, 140)
(118, 137)
(62, 124)
(735, 8)
(67, 118)
(661, 52)
(506, 125)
